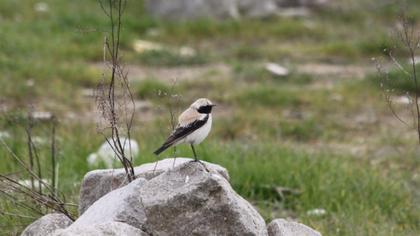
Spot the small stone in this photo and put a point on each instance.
(187, 51)
(404, 100)
(4, 135)
(41, 7)
(28, 183)
(316, 212)
(142, 46)
(42, 115)
(276, 69)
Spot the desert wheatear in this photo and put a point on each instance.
(194, 124)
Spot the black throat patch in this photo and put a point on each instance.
(205, 109)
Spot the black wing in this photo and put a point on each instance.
(180, 133)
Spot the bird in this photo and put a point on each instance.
(194, 125)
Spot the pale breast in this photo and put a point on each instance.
(200, 134)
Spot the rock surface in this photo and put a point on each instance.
(47, 224)
(120, 205)
(109, 229)
(97, 183)
(276, 69)
(190, 201)
(281, 227)
(185, 200)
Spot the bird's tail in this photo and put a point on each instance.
(161, 149)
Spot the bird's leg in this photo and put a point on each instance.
(196, 160)
(173, 164)
(195, 155)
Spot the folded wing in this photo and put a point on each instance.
(180, 133)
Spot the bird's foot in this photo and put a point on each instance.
(201, 163)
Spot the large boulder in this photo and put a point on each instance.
(109, 229)
(97, 183)
(185, 200)
(47, 224)
(281, 227)
(192, 9)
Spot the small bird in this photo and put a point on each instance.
(194, 124)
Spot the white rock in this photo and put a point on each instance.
(153, 32)
(106, 153)
(276, 69)
(281, 227)
(47, 224)
(295, 12)
(37, 140)
(142, 46)
(30, 83)
(41, 7)
(316, 212)
(4, 135)
(97, 183)
(187, 51)
(28, 183)
(405, 100)
(42, 115)
(416, 60)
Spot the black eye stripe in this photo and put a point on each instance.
(205, 109)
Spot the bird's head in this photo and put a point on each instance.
(203, 105)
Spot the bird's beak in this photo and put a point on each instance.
(213, 105)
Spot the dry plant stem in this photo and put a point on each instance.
(411, 42)
(32, 150)
(49, 201)
(173, 98)
(53, 157)
(112, 101)
(28, 130)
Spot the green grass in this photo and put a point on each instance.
(263, 95)
(399, 80)
(151, 89)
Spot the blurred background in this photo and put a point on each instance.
(301, 123)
